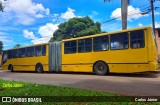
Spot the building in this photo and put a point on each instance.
(157, 33)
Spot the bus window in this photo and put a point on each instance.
(85, 45)
(4, 57)
(159, 33)
(43, 50)
(38, 51)
(30, 51)
(22, 52)
(119, 41)
(137, 39)
(9, 54)
(70, 47)
(15, 53)
(100, 43)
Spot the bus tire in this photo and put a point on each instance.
(39, 68)
(101, 68)
(10, 67)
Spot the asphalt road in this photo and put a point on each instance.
(125, 84)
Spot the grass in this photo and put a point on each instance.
(23, 89)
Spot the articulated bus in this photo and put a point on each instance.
(125, 51)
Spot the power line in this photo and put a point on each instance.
(26, 40)
(144, 8)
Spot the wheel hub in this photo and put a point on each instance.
(100, 67)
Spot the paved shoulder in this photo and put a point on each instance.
(127, 84)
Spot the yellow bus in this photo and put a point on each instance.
(125, 51)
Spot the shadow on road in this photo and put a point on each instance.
(137, 75)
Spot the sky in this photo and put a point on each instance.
(28, 22)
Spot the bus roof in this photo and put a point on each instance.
(107, 33)
(27, 46)
(90, 36)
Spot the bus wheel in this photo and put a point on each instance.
(39, 68)
(10, 67)
(101, 68)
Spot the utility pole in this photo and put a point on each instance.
(152, 9)
(1, 6)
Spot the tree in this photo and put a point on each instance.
(17, 45)
(76, 27)
(124, 12)
(1, 47)
(51, 40)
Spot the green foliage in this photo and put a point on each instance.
(17, 45)
(51, 40)
(76, 27)
(103, 32)
(1, 47)
(57, 93)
